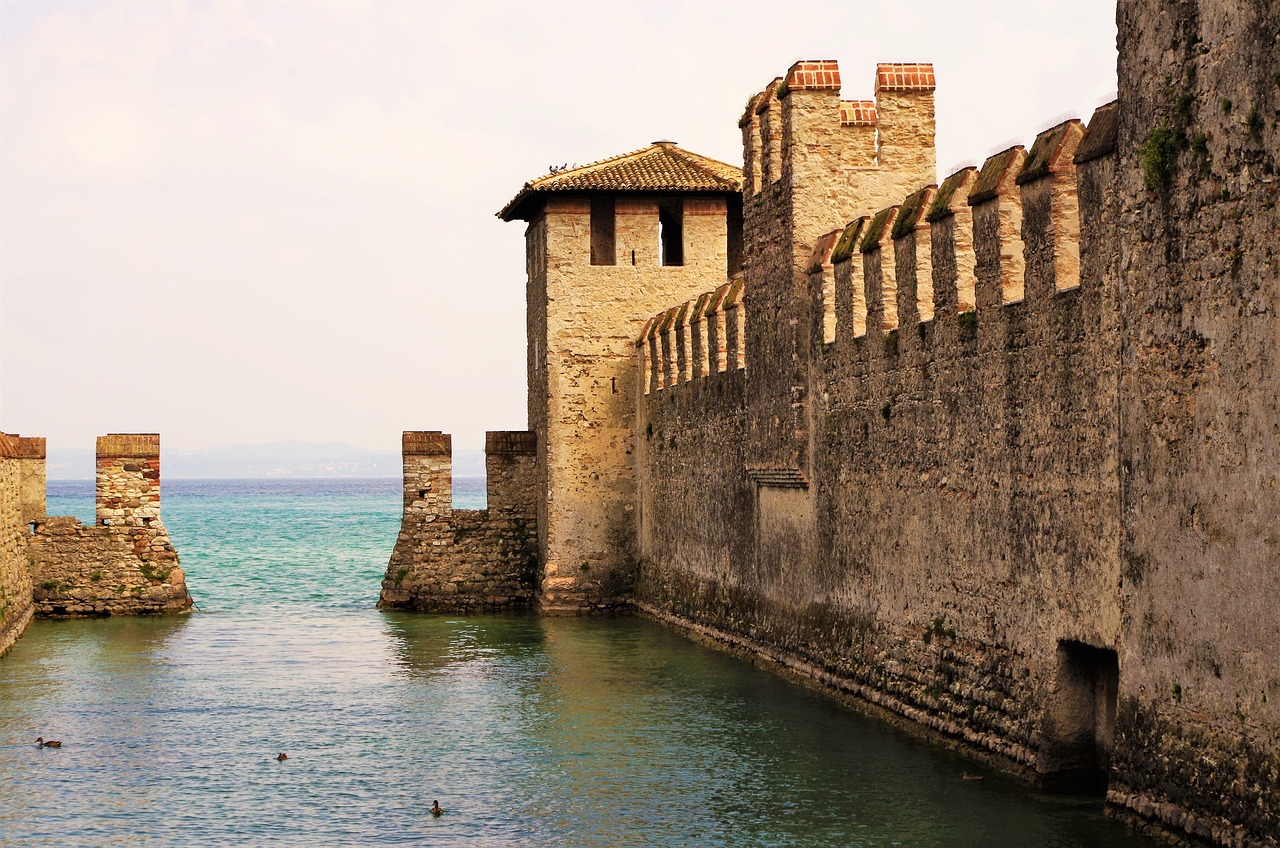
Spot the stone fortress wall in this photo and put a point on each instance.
(997, 457)
(1013, 474)
(18, 502)
(462, 560)
(58, 567)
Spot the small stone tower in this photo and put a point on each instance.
(608, 244)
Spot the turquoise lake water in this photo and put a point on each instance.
(576, 732)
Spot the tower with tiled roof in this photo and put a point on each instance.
(608, 244)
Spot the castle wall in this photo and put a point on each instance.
(15, 572)
(1026, 495)
(125, 563)
(825, 168)
(461, 560)
(958, 461)
(1200, 406)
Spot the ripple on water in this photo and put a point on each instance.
(584, 732)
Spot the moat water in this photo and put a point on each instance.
(576, 732)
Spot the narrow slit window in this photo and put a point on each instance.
(671, 231)
(603, 232)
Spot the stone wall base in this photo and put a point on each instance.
(859, 696)
(9, 635)
(1176, 824)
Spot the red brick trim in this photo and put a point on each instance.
(814, 75)
(858, 113)
(31, 447)
(633, 206)
(893, 76)
(572, 205)
(516, 442)
(426, 443)
(705, 206)
(128, 445)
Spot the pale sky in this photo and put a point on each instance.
(240, 222)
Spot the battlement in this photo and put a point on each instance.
(462, 559)
(27, 454)
(128, 480)
(1008, 232)
(893, 132)
(122, 564)
(701, 337)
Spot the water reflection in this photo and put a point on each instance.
(584, 732)
(428, 644)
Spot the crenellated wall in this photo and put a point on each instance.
(811, 159)
(941, 519)
(995, 454)
(461, 560)
(57, 567)
(124, 564)
(938, 470)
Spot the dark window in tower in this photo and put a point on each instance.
(671, 230)
(603, 232)
(733, 223)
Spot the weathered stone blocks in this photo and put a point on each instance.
(455, 560)
(125, 563)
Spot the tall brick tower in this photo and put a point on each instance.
(608, 244)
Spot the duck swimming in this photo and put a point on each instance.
(435, 809)
(52, 743)
(283, 756)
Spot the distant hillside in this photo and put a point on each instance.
(273, 459)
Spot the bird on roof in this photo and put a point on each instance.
(52, 743)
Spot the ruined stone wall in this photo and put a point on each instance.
(125, 563)
(15, 569)
(585, 430)
(459, 560)
(1199, 724)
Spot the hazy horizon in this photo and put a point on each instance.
(291, 459)
(248, 222)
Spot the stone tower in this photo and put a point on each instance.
(813, 159)
(608, 244)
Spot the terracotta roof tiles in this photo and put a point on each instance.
(662, 166)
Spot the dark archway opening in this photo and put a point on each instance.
(1080, 719)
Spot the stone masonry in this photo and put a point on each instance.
(122, 565)
(995, 456)
(15, 566)
(1020, 490)
(461, 560)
